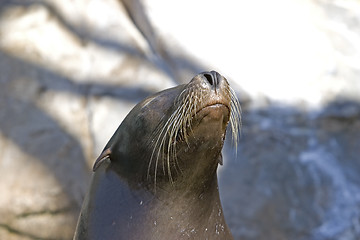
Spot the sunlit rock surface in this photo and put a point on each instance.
(70, 71)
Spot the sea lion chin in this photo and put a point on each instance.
(156, 177)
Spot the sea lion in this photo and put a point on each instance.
(156, 178)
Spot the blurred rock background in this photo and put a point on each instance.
(71, 70)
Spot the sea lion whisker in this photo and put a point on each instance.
(172, 145)
(156, 161)
(186, 107)
(157, 132)
(179, 128)
(191, 111)
(175, 162)
(237, 114)
(164, 138)
(158, 145)
(186, 89)
(235, 101)
(235, 117)
(178, 99)
(168, 165)
(161, 150)
(154, 148)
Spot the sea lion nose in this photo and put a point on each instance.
(213, 79)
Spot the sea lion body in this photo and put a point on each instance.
(156, 178)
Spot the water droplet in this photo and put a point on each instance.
(141, 202)
(201, 196)
(216, 229)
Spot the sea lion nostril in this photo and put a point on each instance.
(209, 77)
(213, 79)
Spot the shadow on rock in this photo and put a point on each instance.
(45, 143)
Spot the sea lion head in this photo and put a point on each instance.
(175, 136)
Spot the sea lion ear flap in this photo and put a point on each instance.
(103, 156)
(220, 160)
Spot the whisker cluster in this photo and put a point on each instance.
(172, 130)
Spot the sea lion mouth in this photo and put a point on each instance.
(212, 106)
(215, 111)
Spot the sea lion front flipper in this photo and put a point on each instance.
(103, 156)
